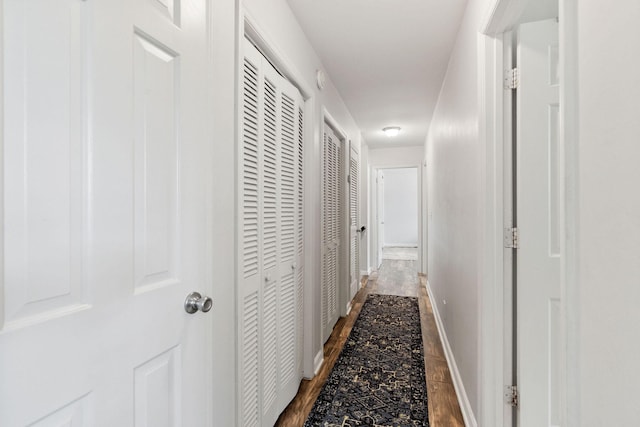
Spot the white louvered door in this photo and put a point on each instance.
(289, 372)
(354, 215)
(249, 242)
(299, 268)
(331, 229)
(270, 241)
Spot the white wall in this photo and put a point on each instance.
(454, 179)
(606, 291)
(401, 207)
(602, 202)
(277, 25)
(395, 157)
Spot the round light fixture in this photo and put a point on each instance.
(391, 130)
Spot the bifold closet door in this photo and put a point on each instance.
(331, 229)
(354, 217)
(270, 241)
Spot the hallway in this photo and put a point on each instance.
(395, 277)
(191, 196)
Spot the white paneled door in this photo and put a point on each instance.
(105, 148)
(538, 208)
(270, 241)
(331, 230)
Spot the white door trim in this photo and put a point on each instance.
(494, 313)
(569, 208)
(495, 309)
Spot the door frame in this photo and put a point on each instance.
(248, 26)
(496, 310)
(374, 256)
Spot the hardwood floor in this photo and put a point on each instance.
(395, 278)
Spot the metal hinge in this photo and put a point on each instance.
(511, 395)
(512, 79)
(348, 179)
(511, 240)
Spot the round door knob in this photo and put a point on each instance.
(195, 302)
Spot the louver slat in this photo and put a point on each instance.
(250, 171)
(270, 177)
(288, 171)
(270, 347)
(288, 329)
(250, 361)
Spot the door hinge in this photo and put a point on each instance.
(512, 79)
(511, 240)
(348, 179)
(511, 395)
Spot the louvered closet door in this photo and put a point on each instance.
(354, 215)
(331, 229)
(291, 251)
(299, 262)
(250, 242)
(270, 241)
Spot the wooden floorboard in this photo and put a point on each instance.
(444, 410)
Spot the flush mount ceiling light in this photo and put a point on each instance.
(391, 130)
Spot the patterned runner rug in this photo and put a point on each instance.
(379, 377)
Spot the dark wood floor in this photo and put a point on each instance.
(396, 278)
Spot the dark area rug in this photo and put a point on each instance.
(379, 378)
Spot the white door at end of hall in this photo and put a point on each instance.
(538, 215)
(105, 148)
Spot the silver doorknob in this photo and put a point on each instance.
(195, 302)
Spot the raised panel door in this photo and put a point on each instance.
(105, 148)
(538, 257)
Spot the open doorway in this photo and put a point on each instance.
(397, 214)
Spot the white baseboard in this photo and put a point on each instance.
(463, 399)
(400, 245)
(318, 361)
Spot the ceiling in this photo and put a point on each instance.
(387, 59)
